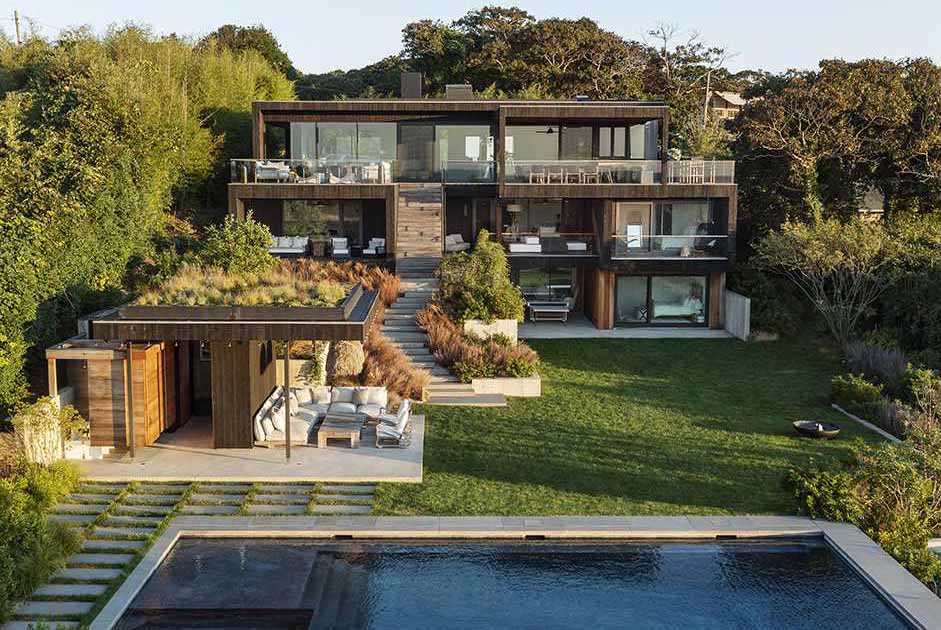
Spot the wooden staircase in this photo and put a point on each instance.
(418, 230)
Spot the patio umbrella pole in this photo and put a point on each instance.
(287, 399)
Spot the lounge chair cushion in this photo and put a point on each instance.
(267, 426)
(310, 416)
(385, 431)
(361, 396)
(370, 410)
(278, 417)
(259, 430)
(378, 396)
(342, 407)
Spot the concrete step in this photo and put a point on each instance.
(476, 400)
(411, 345)
(417, 353)
(451, 389)
(52, 609)
(398, 335)
(281, 488)
(401, 327)
(209, 510)
(70, 590)
(103, 559)
(399, 317)
(86, 499)
(224, 488)
(98, 488)
(435, 379)
(326, 612)
(87, 575)
(78, 520)
(153, 499)
(161, 488)
(94, 545)
(316, 582)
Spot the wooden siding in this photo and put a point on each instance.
(618, 191)
(716, 290)
(243, 375)
(98, 387)
(599, 297)
(419, 218)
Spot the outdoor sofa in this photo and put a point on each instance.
(310, 405)
(288, 246)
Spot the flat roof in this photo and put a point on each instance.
(512, 108)
(112, 325)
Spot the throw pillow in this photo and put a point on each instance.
(361, 396)
(341, 394)
(277, 418)
(267, 426)
(303, 395)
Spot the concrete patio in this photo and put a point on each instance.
(579, 327)
(186, 456)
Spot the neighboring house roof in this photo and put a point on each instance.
(732, 98)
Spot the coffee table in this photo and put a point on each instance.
(341, 426)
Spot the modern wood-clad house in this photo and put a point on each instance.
(580, 193)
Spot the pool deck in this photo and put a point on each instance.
(911, 599)
(579, 327)
(185, 458)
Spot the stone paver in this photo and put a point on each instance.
(83, 497)
(94, 488)
(87, 575)
(53, 609)
(143, 509)
(277, 509)
(158, 488)
(122, 532)
(224, 488)
(210, 510)
(93, 544)
(133, 520)
(109, 559)
(73, 519)
(345, 498)
(348, 489)
(281, 489)
(70, 590)
(217, 498)
(81, 508)
(297, 499)
(153, 499)
(342, 509)
(32, 625)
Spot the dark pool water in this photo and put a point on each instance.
(252, 583)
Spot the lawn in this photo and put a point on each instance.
(634, 427)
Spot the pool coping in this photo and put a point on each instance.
(914, 602)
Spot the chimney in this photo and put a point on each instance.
(411, 85)
(459, 92)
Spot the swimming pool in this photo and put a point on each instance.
(284, 583)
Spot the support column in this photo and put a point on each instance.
(52, 378)
(287, 399)
(129, 398)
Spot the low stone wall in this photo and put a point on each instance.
(485, 330)
(525, 387)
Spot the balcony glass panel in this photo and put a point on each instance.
(583, 171)
(375, 141)
(700, 172)
(303, 141)
(336, 142)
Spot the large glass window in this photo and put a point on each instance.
(464, 152)
(303, 141)
(548, 282)
(547, 217)
(327, 219)
(532, 142)
(416, 152)
(576, 143)
(661, 300)
(376, 141)
(678, 299)
(336, 142)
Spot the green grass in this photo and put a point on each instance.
(634, 427)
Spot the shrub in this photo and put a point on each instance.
(41, 427)
(31, 546)
(855, 394)
(912, 307)
(924, 389)
(388, 366)
(885, 338)
(774, 306)
(885, 367)
(345, 358)
(477, 285)
(890, 491)
(238, 246)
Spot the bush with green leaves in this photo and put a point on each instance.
(892, 492)
(238, 246)
(774, 306)
(886, 367)
(855, 394)
(31, 546)
(476, 284)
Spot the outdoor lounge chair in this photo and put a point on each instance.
(455, 243)
(340, 248)
(376, 247)
(395, 430)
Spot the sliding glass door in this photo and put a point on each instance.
(667, 300)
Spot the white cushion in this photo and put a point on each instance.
(320, 410)
(310, 416)
(278, 417)
(259, 430)
(320, 395)
(576, 246)
(303, 395)
(342, 394)
(342, 407)
(531, 240)
(267, 426)
(360, 396)
(300, 241)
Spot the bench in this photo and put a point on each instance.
(548, 311)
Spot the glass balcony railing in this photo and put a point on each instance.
(583, 171)
(546, 243)
(700, 172)
(626, 247)
(469, 172)
(321, 171)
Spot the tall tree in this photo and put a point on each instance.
(257, 38)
